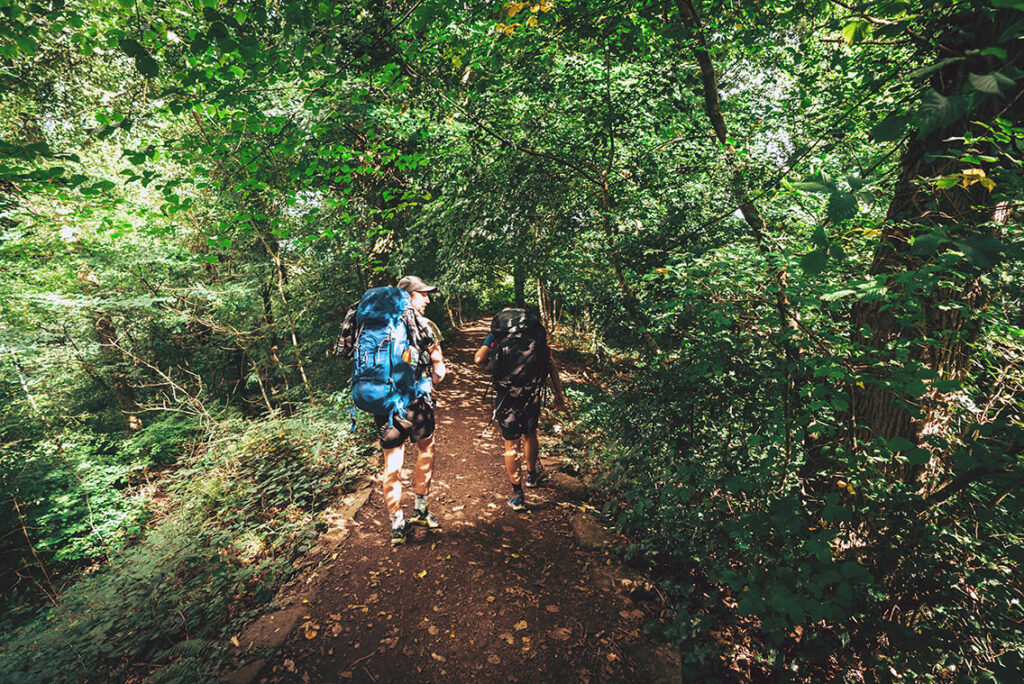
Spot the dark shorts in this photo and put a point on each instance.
(517, 416)
(418, 424)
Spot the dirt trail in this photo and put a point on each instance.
(494, 596)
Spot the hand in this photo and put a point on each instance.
(435, 378)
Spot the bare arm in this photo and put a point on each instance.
(480, 358)
(437, 358)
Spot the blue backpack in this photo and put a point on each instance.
(382, 382)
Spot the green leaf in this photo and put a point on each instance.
(982, 251)
(146, 65)
(855, 30)
(990, 83)
(1011, 4)
(841, 206)
(900, 444)
(819, 237)
(26, 44)
(918, 456)
(889, 129)
(130, 47)
(813, 262)
(997, 52)
(937, 111)
(838, 294)
(932, 68)
(929, 243)
(812, 186)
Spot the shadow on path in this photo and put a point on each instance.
(494, 596)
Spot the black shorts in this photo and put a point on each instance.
(418, 424)
(517, 416)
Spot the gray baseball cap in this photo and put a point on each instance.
(411, 283)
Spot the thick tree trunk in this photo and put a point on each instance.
(936, 325)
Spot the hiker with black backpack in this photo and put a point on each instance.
(517, 354)
(394, 346)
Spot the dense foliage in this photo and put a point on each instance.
(787, 231)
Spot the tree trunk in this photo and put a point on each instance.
(123, 394)
(519, 280)
(938, 325)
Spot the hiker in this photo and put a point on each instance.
(517, 354)
(398, 394)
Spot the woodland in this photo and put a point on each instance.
(783, 235)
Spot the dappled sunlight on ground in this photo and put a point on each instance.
(493, 595)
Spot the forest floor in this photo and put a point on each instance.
(495, 595)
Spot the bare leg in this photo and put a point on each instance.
(531, 448)
(512, 464)
(393, 459)
(424, 465)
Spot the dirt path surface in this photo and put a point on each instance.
(495, 595)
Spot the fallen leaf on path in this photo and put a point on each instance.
(234, 642)
(561, 633)
(552, 609)
(507, 637)
(310, 633)
(421, 574)
(432, 629)
(456, 509)
(521, 625)
(493, 659)
(347, 674)
(289, 665)
(490, 599)
(438, 658)
(335, 616)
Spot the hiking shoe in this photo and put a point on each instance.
(423, 519)
(535, 477)
(516, 502)
(398, 534)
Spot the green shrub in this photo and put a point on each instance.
(244, 505)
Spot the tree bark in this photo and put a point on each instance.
(788, 319)
(123, 394)
(938, 326)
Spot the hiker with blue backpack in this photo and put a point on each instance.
(517, 354)
(397, 363)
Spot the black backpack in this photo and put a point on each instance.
(521, 360)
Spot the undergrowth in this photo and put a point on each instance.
(242, 507)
